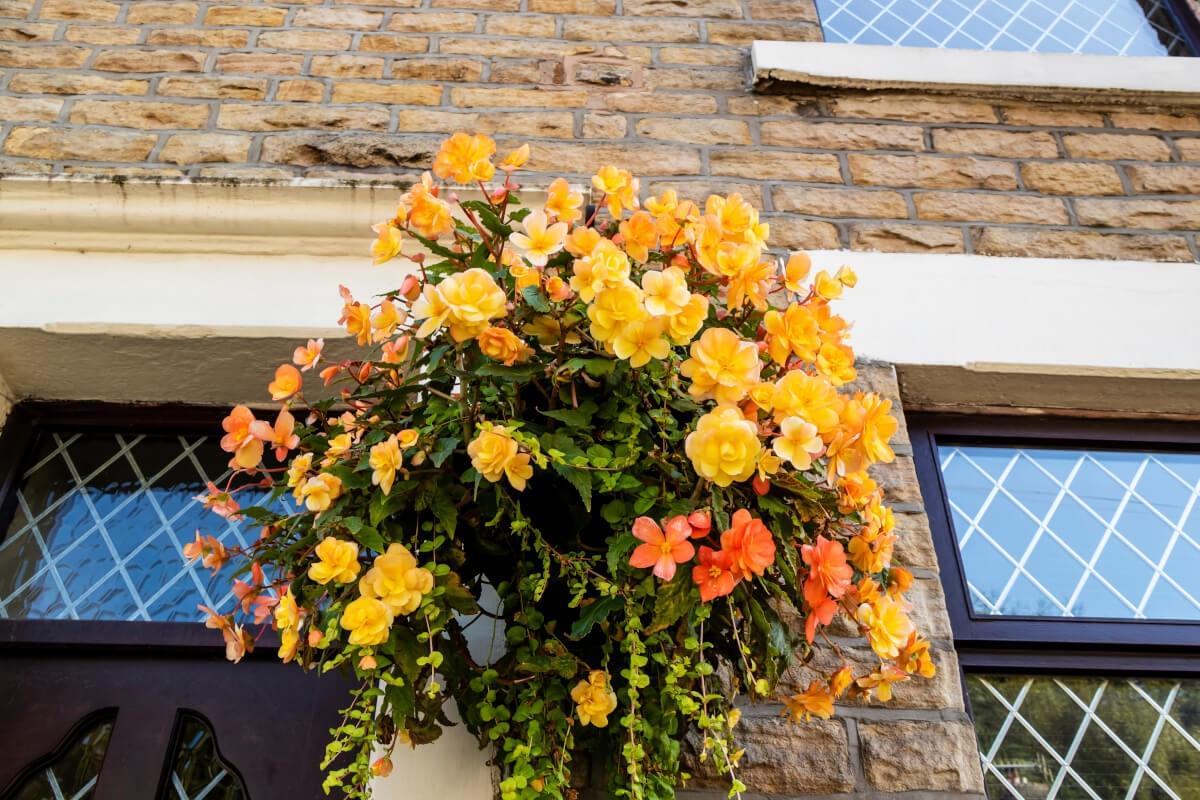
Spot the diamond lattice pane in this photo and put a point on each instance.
(197, 771)
(1107, 27)
(99, 528)
(1084, 737)
(1074, 533)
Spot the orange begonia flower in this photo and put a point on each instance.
(816, 701)
(887, 626)
(287, 382)
(714, 574)
(357, 319)
(795, 271)
(207, 548)
(306, 357)
(466, 159)
(430, 216)
(563, 204)
(247, 449)
(618, 187)
(828, 573)
(701, 522)
(639, 235)
(516, 159)
(387, 243)
(282, 436)
(750, 545)
(881, 681)
(220, 502)
(662, 550)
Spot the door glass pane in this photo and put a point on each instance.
(1106, 27)
(100, 524)
(73, 774)
(1087, 737)
(1076, 533)
(197, 771)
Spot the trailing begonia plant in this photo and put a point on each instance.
(623, 425)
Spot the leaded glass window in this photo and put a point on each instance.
(1090, 533)
(197, 771)
(1108, 27)
(99, 525)
(72, 775)
(1087, 737)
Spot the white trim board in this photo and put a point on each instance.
(1111, 79)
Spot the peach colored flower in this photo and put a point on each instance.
(516, 159)
(639, 235)
(384, 460)
(666, 291)
(466, 159)
(247, 449)
(430, 216)
(795, 271)
(662, 550)
(207, 548)
(750, 546)
(282, 436)
(722, 366)
(306, 357)
(503, 345)
(368, 620)
(828, 573)
(220, 502)
(563, 204)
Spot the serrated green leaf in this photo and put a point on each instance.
(580, 417)
(581, 480)
(536, 300)
(591, 615)
(445, 510)
(672, 601)
(445, 447)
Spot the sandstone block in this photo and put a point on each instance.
(742, 34)
(932, 172)
(1080, 244)
(969, 207)
(27, 31)
(494, 47)
(929, 608)
(482, 5)
(455, 70)
(338, 18)
(1155, 122)
(840, 202)
(904, 238)
(699, 189)
(783, 9)
(651, 102)
(303, 40)
(589, 7)
(1189, 149)
(149, 61)
(210, 37)
(788, 759)
(555, 124)
(161, 13)
(1071, 178)
(709, 9)
(598, 125)
(632, 30)
(220, 88)
(29, 109)
(432, 22)
(907, 755)
(519, 71)
(362, 151)
(346, 67)
(641, 159)
(43, 57)
(1181, 215)
(91, 10)
(714, 131)
(518, 98)
(143, 114)
(801, 234)
(914, 542)
(1051, 116)
(899, 480)
(251, 117)
(773, 105)
(252, 16)
(196, 148)
(96, 34)
(67, 83)
(995, 143)
(78, 144)
(710, 78)
(520, 25)
(260, 63)
(1116, 146)
(300, 91)
(912, 108)
(776, 165)
(702, 56)
(1164, 180)
(419, 94)
(842, 136)
(385, 43)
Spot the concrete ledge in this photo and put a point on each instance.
(1043, 76)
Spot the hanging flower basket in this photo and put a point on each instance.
(612, 435)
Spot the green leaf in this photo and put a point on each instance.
(673, 601)
(593, 614)
(445, 447)
(581, 480)
(459, 597)
(596, 367)
(518, 373)
(370, 539)
(619, 548)
(533, 296)
(445, 510)
(580, 417)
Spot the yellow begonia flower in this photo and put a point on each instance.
(615, 308)
(408, 437)
(792, 332)
(431, 308)
(619, 188)
(287, 622)
(862, 435)
(752, 283)
(724, 447)
(548, 331)
(368, 620)
(640, 341)
(385, 460)
(684, 326)
(811, 398)
(795, 271)
(387, 243)
(503, 345)
(397, 580)
(723, 366)
(563, 204)
(466, 159)
(666, 291)
(594, 699)
(540, 240)
(319, 491)
(525, 276)
(297, 473)
(337, 562)
(495, 454)
(516, 159)
(816, 701)
(583, 241)
(830, 286)
(888, 627)
(605, 267)
(472, 298)
(836, 362)
(798, 442)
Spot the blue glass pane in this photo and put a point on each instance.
(1078, 533)
(99, 527)
(1108, 27)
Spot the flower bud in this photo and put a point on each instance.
(761, 485)
(367, 662)
(410, 288)
(382, 767)
(701, 522)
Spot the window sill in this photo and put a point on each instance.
(1043, 76)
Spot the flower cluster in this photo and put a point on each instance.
(627, 422)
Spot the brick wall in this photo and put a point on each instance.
(352, 89)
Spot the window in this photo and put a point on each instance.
(1069, 552)
(1102, 27)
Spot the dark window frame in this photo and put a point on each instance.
(1047, 645)
(20, 431)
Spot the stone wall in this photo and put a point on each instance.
(362, 89)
